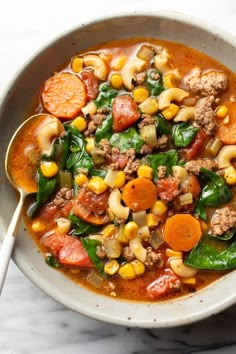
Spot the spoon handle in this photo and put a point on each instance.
(9, 240)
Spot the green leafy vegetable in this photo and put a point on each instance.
(61, 149)
(155, 86)
(215, 192)
(184, 133)
(127, 139)
(163, 127)
(105, 96)
(104, 130)
(53, 262)
(213, 253)
(168, 159)
(90, 247)
(81, 227)
(96, 172)
(46, 186)
(78, 157)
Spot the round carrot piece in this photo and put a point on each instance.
(139, 194)
(64, 95)
(182, 232)
(227, 131)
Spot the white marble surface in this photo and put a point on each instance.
(30, 321)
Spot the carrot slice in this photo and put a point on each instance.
(182, 232)
(139, 194)
(227, 132)
(64, 95)
(91, 218)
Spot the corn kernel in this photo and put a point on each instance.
(169, 81)
(90, 146)
(79, 123)
(139, 267)
(116, 81)
(77, 65)
(109, 231)
(173, 254)
(190, 281)
(111, 267)
(149, 106)
(140, 94)
(222, 111)
(152, 220)
(120, 179)
(121, 234)
(118, 62)
(81, 179)
(145, 171)
(159, 208)
(97, 185)
(230, 175)
(171, 111)
(127, 271)
(49, 168)
(131, 230)
(38, 226)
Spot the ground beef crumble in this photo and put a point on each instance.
(62, 196)
(194, 166)
(223, 220)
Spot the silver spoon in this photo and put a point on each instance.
(22, 185)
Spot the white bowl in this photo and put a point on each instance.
(15, 105)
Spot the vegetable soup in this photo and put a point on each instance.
(136, 173)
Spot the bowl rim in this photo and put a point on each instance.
(203, 312)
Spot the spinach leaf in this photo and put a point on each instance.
(96, 172)
(184, 133)
(168, 159)
(81, 227)
(163, 127)
(213, 253)
(105, 96)
(46, 187)
(104, 130)
(127, 139)
(78, 156)
(155, 86)
(215, 192)
(90, 247)
(53, 262)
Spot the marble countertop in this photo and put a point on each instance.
(32, 322)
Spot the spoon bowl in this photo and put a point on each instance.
(24, 181)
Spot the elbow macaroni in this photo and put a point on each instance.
(185, 114)
(171, 94)
(129, 70)
(225, 155)
(115, 205)
(98, 64)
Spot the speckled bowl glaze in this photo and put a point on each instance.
(16, 103)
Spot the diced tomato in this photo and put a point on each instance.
(124, 112)
(95, 203)
(48, 212)
(122, 161)
(74, 254)
(66, 208)
(192, 150)
(167, 188)
(91, 83)
(164, 284)
(69, 250)
(55, 242)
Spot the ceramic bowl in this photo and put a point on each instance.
(15, 105)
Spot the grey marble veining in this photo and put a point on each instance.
(32, 322)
